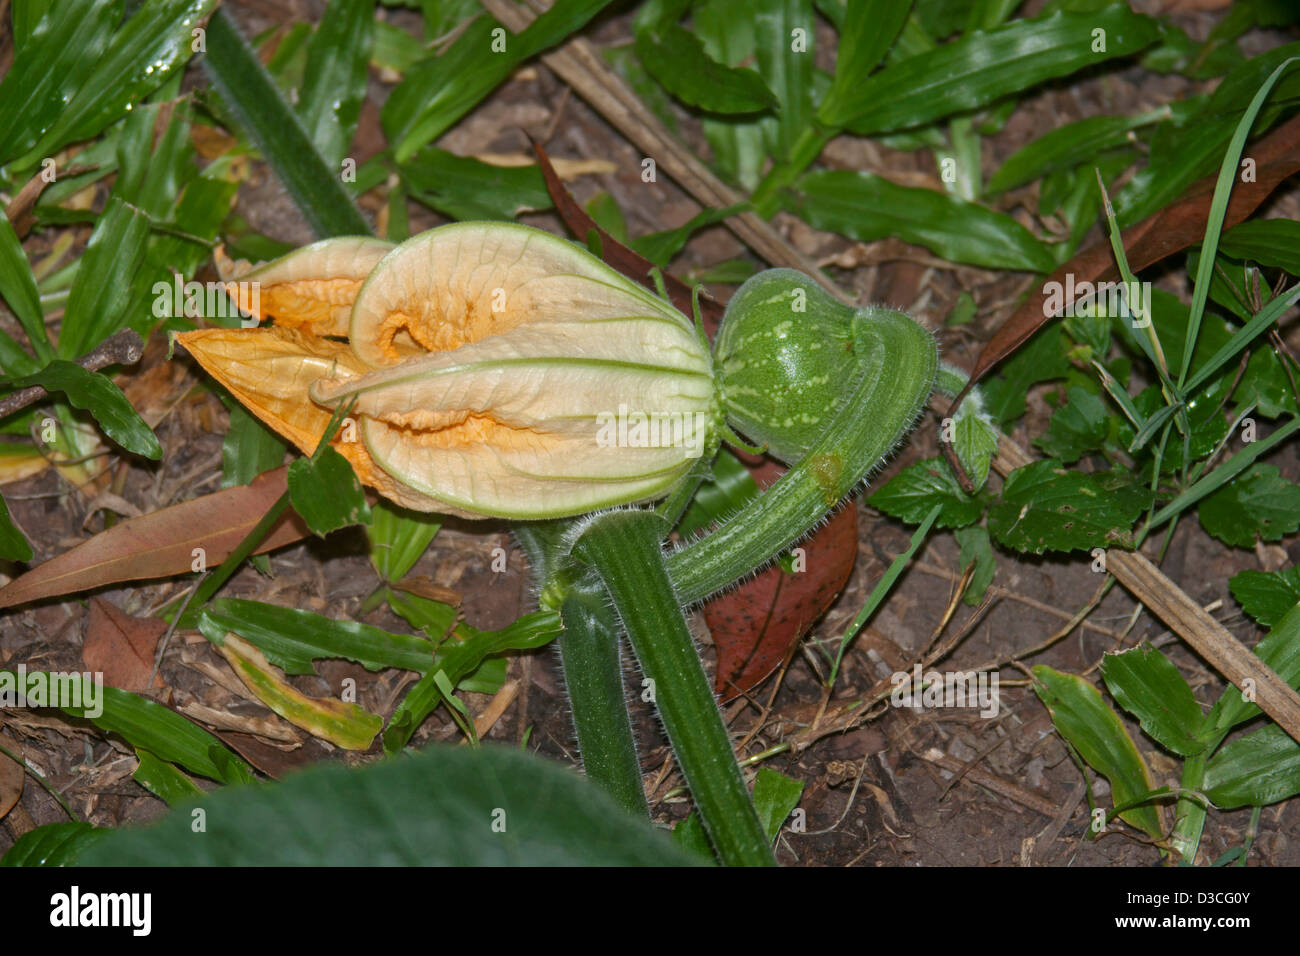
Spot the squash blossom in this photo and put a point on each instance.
(496, 370)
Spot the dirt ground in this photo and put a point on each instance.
(938, 788)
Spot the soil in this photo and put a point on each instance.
(900, 787)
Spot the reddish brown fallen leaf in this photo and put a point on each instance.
(122, 647)
(616, 255)
(756, 626)
(1177, 226)
(162, 543)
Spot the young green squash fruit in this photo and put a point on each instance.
(788, 353)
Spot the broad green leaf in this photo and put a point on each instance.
(1257, 502)
(1094, 730)
(1045, 507)
(334, 85)
(163, 780)
(97, 303)
(470, 189)
(916, 489)
(343, 724)
(775, 797)
(439, 91)
(867, 207)
(458, 659)
(1268, 242)
(13, 546)
(690, 836)
(292, 639)
(158, 729)
(727, 32)
(446, 806)
(18, 287)
(870, 29)
(249, 447)
(1266, 596)
(49, 68)
(660, 247)
(435, 618)
(260, 109)
(155, 40)
(604, 209)
(676, 58)
(1148, 686)
(325, 491)
(784, 31)
(95, 393)
(397, 538)
(1041, 359)
(984, 66)
(55, 844)
(1066, 147)
(1077, 428)
(975, 549)
(974, 439)
(1255, 770)
(395, 49)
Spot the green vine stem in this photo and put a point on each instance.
(593, 674)
(897, 363)
(624, 549)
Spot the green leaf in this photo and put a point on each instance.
(325, 491)
(1077, 428)
(100, 294)
(1045, 507)
(1066, 147)
(439, 91)
(867, 207)
(727, 32)
(676, 58)
(18, 287)
(1257, 502)
(158, 729)
(397, 538)
(49, 68)
(690, 836)
(1266, 596)
(249, 447)
(1042, 359)
(911, 494)
(470, 189)
(260, 109)
(292, 639)
(13, 546)
(1094, 730)
(775, 797)
(95, 393)
(870, 29)
(1148, 686)
(660, 247)
(604, 209)
(974, 438)
(334, 85)
(448, 806)
(55, 844)
(975, 549)
(155, 41)
(163, 780)
(984, 66)
(784, 31)
(458, 659)
(1267, 242)
(1255, 770)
